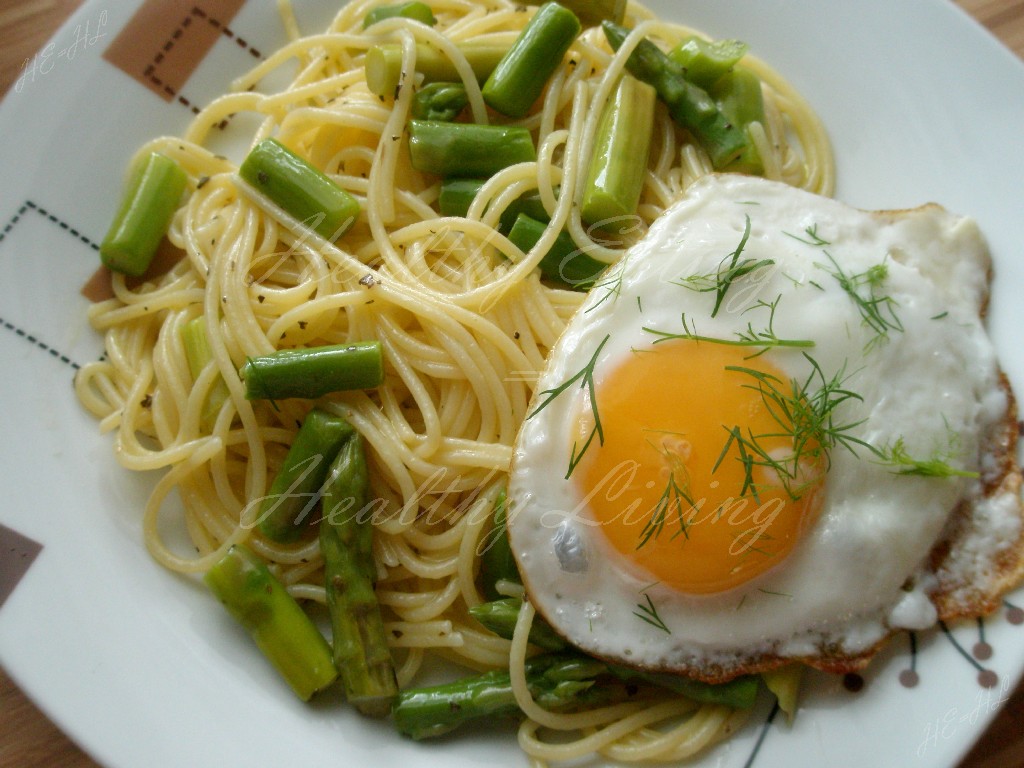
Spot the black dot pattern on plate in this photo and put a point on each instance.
(1014, 615)
(853, 682)
(909, 678)
(988, 679)
(982, 651)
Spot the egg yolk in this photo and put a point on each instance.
(697, 481)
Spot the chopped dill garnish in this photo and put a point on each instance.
(804, 412)
(612, 286)
(940, 316)
(671, 501)
(586, 377)
(903, 463)
(729, 270)
(765, 338)
(812, 236)
(649, 613)
(878, 311)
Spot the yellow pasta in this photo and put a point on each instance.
(463, 317)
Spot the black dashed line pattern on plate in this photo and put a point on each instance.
(226, 31)
(26, 207)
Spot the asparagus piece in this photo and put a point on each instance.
(281, 629)
(615, 178)
(556, 681)
(361, 652)
(384, 64)
(419, 11)
(704, 61)
(520, 77)
(458, 194)
(150, 199)
(496, 560)
(462, 149)
(197, 351)
(300, 189)
(739, 96)
(689, 105)
(439, 101)
(593, 12)
(499, 616)
(314, 371)
(738, 693)
(564, 264)
(297, 487)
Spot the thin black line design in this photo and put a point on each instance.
(761, 735)
(960, 649)
(197, 12)
(40, 344)
(26, 207)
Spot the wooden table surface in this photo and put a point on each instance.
(29, 740)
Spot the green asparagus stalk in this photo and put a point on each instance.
(593, 12)
(415, 10)
(463, 149)
(520, 77)
(457, 196)
(361, 652)
(704, 61)
(689, 105)
(300, 189)
(496, 560)
(281, 629)
(738, 94)
(150, 199)
(296, 490)
(439, 101)
(198, 354)
(384, 64)
(556, 681)
(738, 693)
(500, 616)
(564, 264)
(615, 177)
(314, 371)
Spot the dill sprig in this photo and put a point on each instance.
(877, 310)
(896, 456)
(586, 378)
(649, 613)
(765, 338)
(730, 269)
(805, 412)
(813, 238)
(672, 499)
(611, 285)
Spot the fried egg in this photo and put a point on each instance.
(775, 430)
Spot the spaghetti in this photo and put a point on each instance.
(462, 315)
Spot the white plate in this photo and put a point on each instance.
(140, 666)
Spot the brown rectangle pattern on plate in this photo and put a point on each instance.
(17, 553)
(166, 40)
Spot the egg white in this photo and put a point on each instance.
(932, 383)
